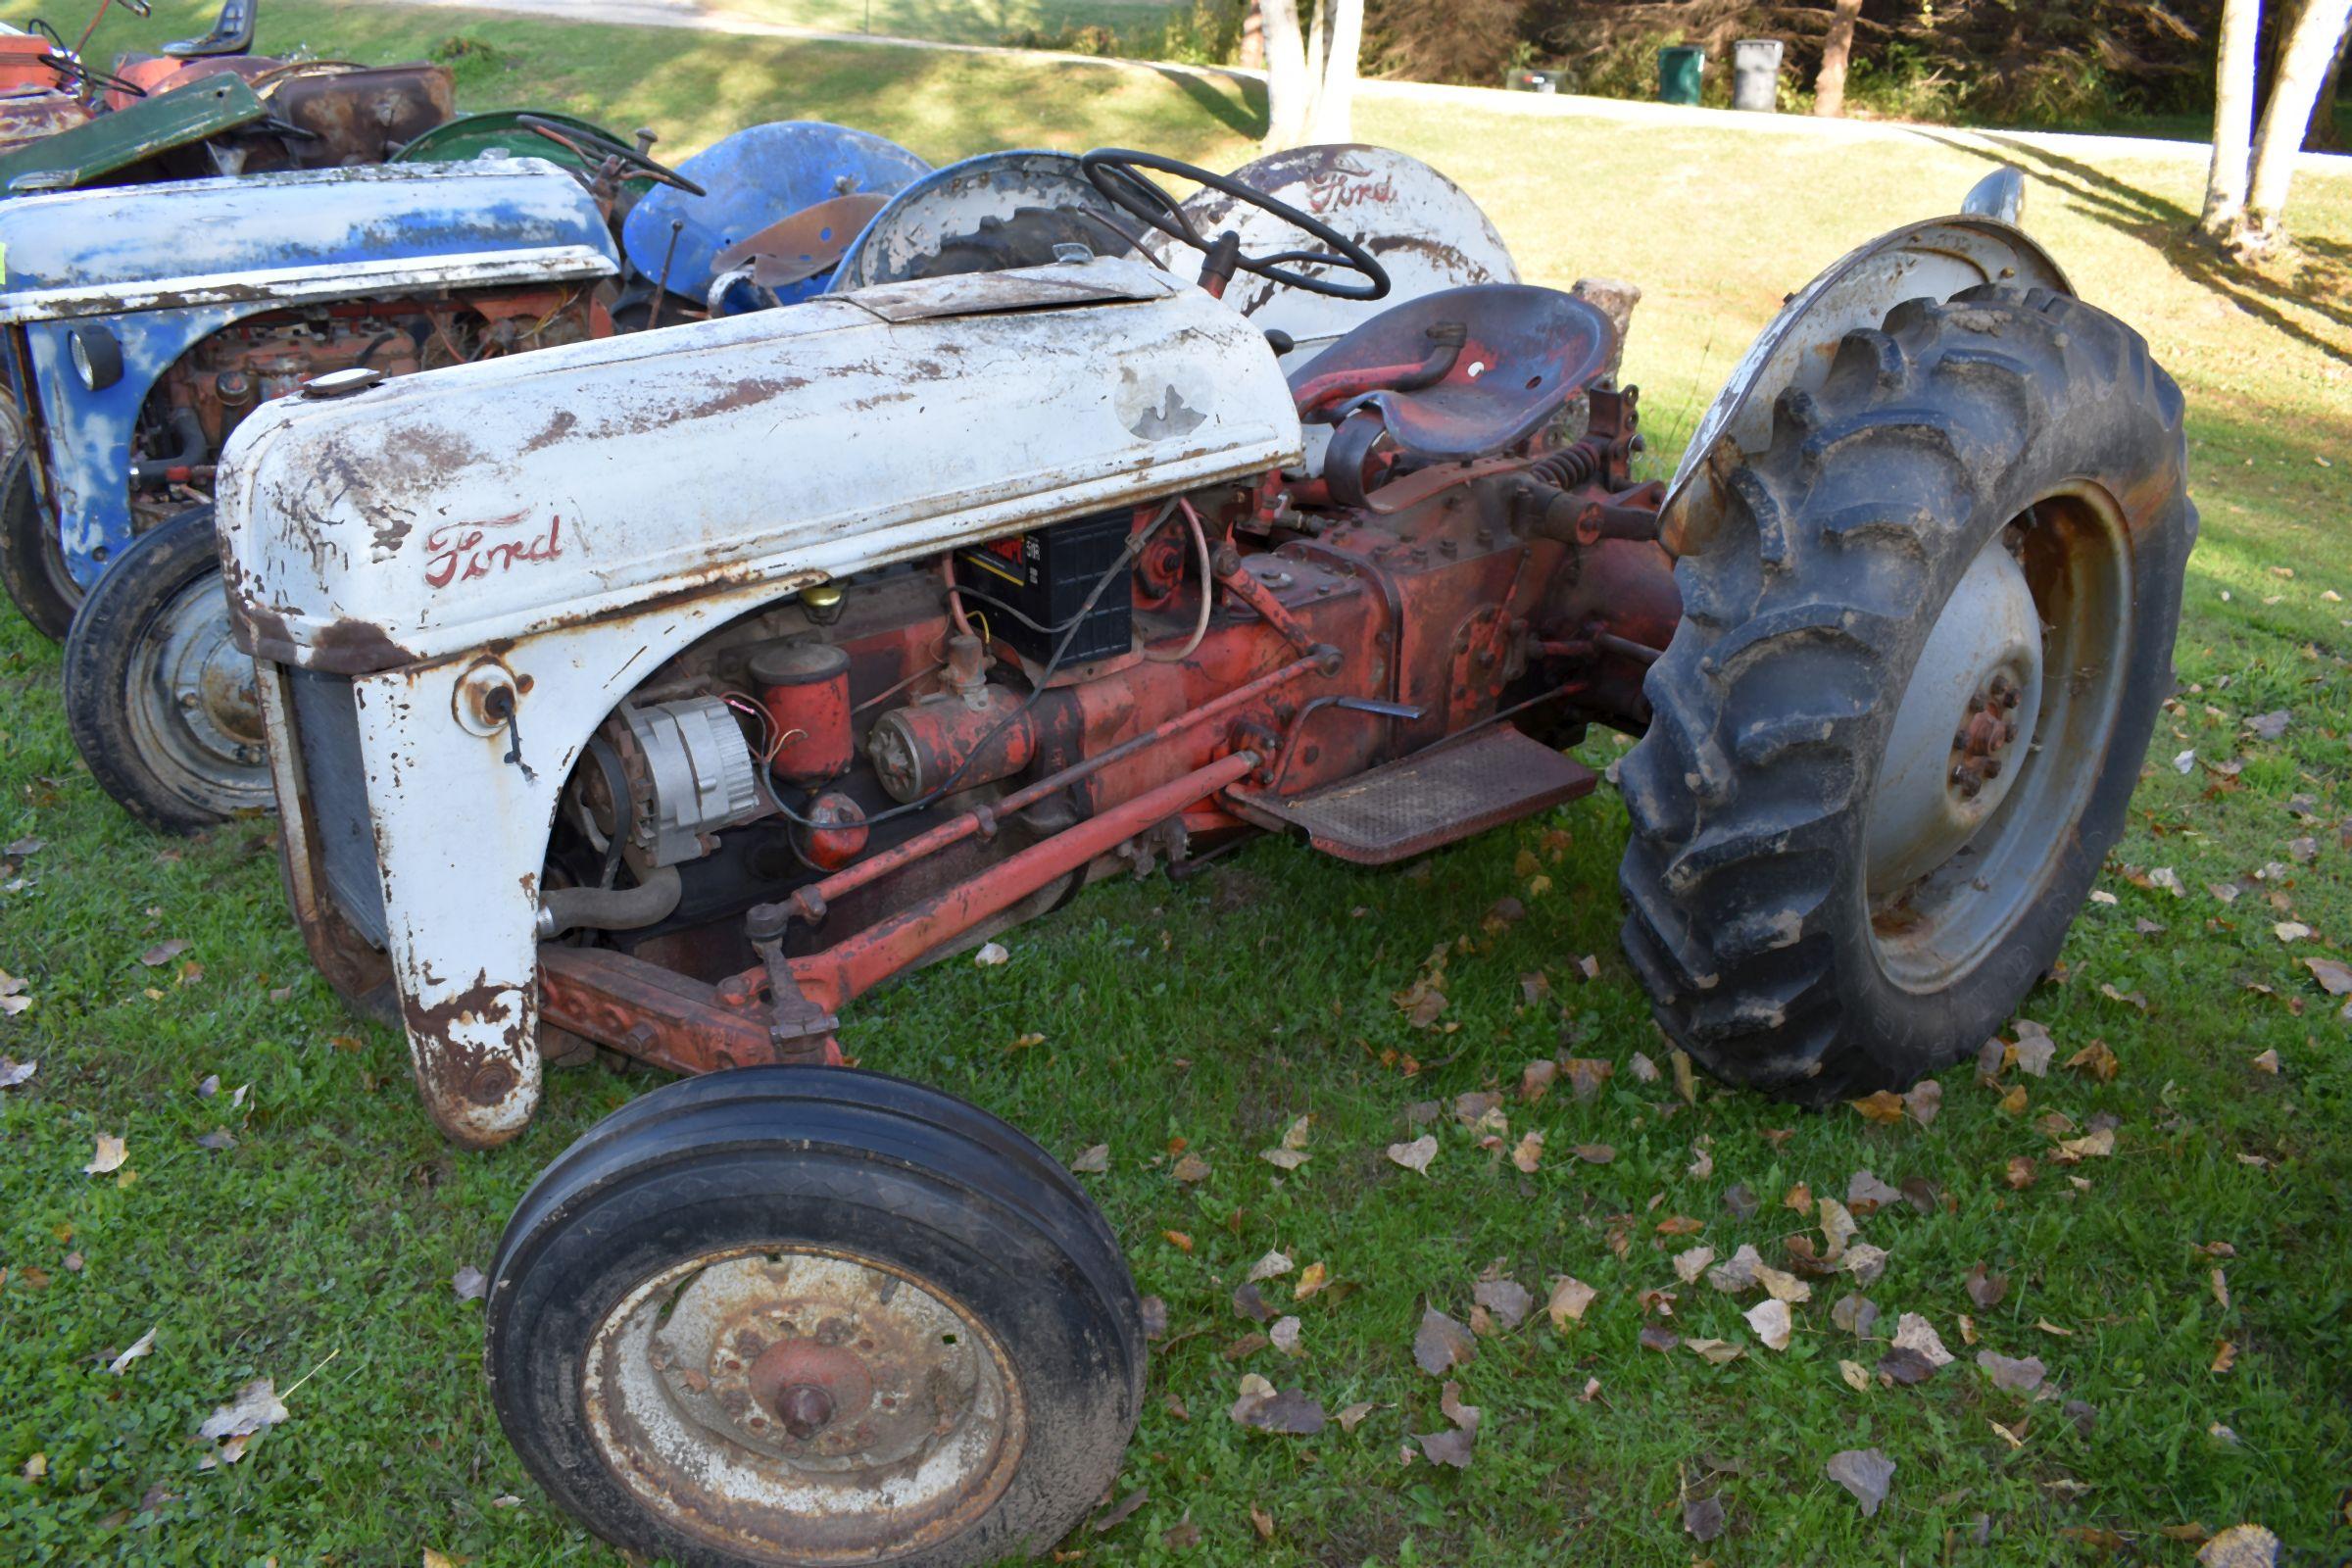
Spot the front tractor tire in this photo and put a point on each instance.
(810, 1316)
(160, 701)
(1921, 658)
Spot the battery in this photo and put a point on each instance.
(1046, 575)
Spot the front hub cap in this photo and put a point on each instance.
(1975, 689)
(194, 706)
(805, 1408)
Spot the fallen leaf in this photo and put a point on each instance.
(1587, 1075)
(1702, 1162)
(1799, 1197)
(1415, 1155)
(1924, 1100)
(1864, 1262)
(2019, 1376)
(1771, 1322)
(1658, 1336)
(1865, 1194)
(2096, 1145)
(991, 955)
(1688, 1266)
(2240, 1547)
(1915, 1332)
(1285, 1335)
(2225, 1357)
(254, 1408)
(1836, 1225)
(1154, 1312)
(1644, 1070)
(1986, 1289)
(1702, 1518)
(164, 952)
(1856, 1376)
(2335, 977)
(1353, 1416)
(1269, 1266)
(1310, 1280)
(1528, 1155)
(1883, 1107)
(1119, 1512)
(1569, 1299)
(13, 1072)
(1262, 1522)
(1856, 1314)
(139, 1347)
(1191, 1169)
(1451, 1448)
(1903, 1367)
(108, 1156)
(2021, 1172)
(1506, 1298)
(1178, 1239)
(1250, 1303)
(1717, 1352)
(2096, 1060)
(1680, 1225)
(2290, 930)
(1289, 1413)
(1092, 1161)
(1441, 1343)
(1596, 1154)
(217, 1139)
(2035, 1049)
(2268, 1062)
(1865, 1473)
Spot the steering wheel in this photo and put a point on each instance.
(1114, 171)
(71, 68)
(609, 147)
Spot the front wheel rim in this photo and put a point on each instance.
(194, 711)
(803, 1406)
(1940, 906)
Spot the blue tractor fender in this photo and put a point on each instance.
(755, 177)
(103, 291)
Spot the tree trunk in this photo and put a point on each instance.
(2323, 132)
(1286, 74)
(1251, 54)
(2319, 33)
(1828, 87)
(2233, 121)
(1335, 96)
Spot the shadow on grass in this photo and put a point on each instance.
(1246, 115)
(2170, 229)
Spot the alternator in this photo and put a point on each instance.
(701, 775)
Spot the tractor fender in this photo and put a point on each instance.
(1934, 260)
(87, 263)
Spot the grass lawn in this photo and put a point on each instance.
(321, 1243)
(955, 21)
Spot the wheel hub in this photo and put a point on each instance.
(203, 688)
(810, 1403)
(1964, 726)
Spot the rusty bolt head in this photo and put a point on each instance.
(1991, 768)
(805, 1410)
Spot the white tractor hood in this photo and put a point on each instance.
(430, 515)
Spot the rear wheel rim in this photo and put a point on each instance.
(1946, 895)
(801, 1405)
(194, 711)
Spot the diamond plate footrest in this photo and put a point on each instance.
(1402, 809)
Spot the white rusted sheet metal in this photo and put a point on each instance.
(560, 523)
(1422, 227)
(433, 513)
(1933, 259)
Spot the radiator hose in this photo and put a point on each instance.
(562, 909)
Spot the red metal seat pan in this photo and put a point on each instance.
(1526, 351)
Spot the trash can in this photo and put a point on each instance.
(1756, 76)
(1679, 69)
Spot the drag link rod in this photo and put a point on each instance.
(858, 964)
(810, 903)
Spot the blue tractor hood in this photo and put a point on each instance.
(287, 237)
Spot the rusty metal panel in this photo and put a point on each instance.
(435, 513)
(99, 147)
(293, 235)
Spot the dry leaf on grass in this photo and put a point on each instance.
(1441, 1343)
(233, 1425)
(1092, 1161)
(1191, 1169)
(1924, 1100)
(1415, 1155)
(1119, 1512)
(2335, 977)
(1915, 1332)
(164, 952)
(1268, 1267)
(1883, 1107)
(1351, 1418)
(1856, 1314)
(1866, 1193)
(1716, 1352)
(991, 955)
(1528, 1155)
(1771, 1322)
(2240, 1547)
(139, 1347)
(1312, 1279)
(1288, 1412)
(1507, 1300)
(1865, 1473)
(1688, 1265)
(1986, 1289)
(1569, 1299)
(1250, 1303)
(108, 1156)
(1596, 1154)
(13, 1072)
(2019, 1376)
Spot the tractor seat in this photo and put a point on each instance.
(1523, 353)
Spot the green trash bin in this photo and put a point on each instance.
(1679, 69)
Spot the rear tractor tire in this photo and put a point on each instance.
(1920, 661)
(811, 1316)
(161, 701)
(32, 559)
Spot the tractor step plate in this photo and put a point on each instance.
(1404, 807)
